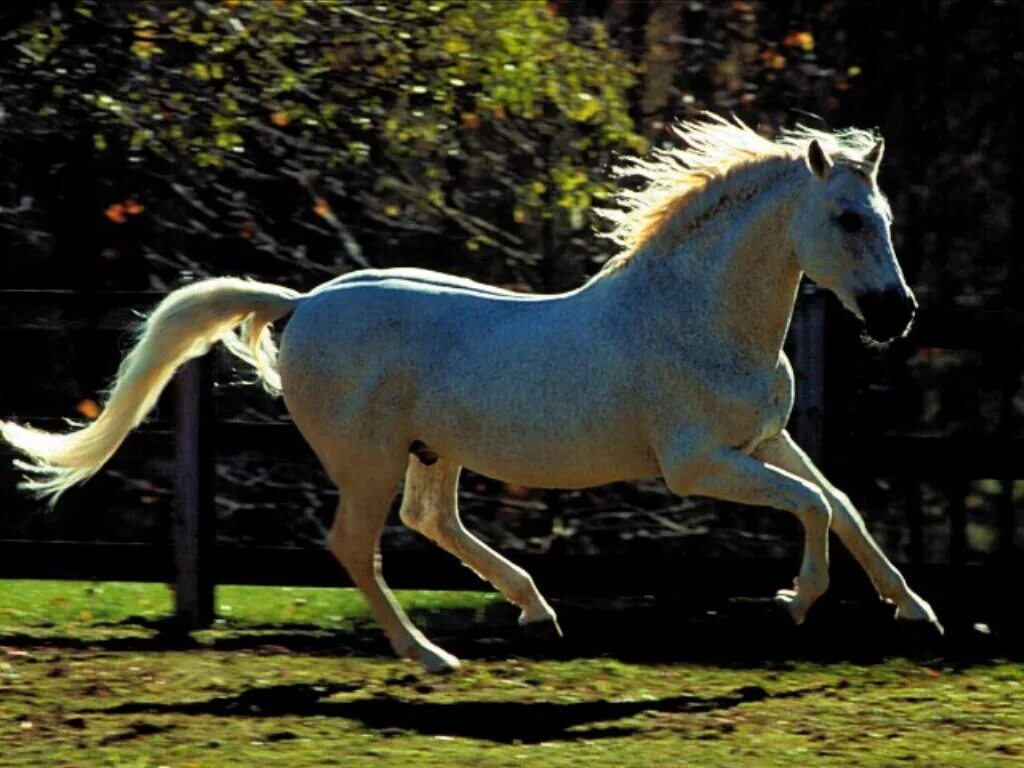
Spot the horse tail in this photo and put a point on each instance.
(183, 326)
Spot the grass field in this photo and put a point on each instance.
(293, 677)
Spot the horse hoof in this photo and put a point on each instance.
(793, 604)
(544, 630)
(917, 610)
(438, 662)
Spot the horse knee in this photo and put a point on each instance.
(815, 510)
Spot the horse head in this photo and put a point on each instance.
(841, 235)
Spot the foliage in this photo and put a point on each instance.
(459, 123)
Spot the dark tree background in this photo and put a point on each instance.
(147, 143)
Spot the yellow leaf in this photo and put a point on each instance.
(392, 210)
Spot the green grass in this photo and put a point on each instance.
(295, 677)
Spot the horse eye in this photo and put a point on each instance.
(850, 221)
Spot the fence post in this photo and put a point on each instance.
(808, 339)
(194, 512)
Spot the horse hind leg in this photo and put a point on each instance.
(355, 541)
(430, 506)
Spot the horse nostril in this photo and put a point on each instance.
(887, 314)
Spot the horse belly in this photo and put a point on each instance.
(560, 424)
(567, 466)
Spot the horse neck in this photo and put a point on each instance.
(740, 268)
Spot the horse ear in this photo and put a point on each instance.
(874, 156)
(818, 160)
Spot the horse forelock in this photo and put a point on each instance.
(721, 160)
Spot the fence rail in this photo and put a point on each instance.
(195, 565)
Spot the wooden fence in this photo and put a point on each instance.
(195, 564)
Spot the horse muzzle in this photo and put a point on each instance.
(887, 314)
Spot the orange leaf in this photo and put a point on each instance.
(88, 408)
(133, 206)
(280, 119)
(115, 212)
(470, 120)
(804, 40)
(247, 228)
(321, 208)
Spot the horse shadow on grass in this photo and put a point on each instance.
(497, 721)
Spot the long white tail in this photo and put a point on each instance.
(184, 325)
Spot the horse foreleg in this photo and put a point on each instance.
(849, 526)
(430, 506)
(355, 540)
(733, 476)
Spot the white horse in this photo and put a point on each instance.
(668, 362)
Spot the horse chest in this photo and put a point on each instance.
(734, 407)
(771, 412)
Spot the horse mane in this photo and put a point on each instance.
(716, 149)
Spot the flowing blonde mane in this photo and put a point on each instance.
(715, 150)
